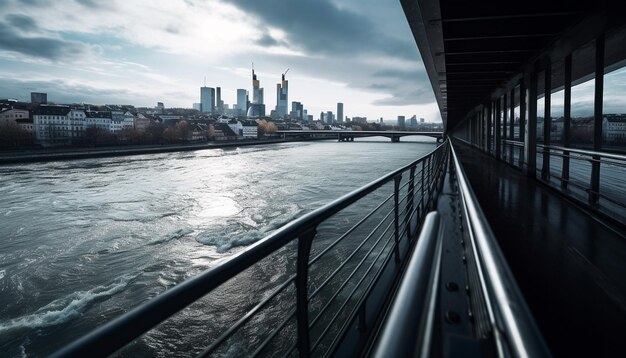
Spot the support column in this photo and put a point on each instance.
(567, 118)
(594, 194)
(489, 125)
(505, 121)
(512, 124)
(547, 122)
(497, 128)
(530, 139)
(522, 119)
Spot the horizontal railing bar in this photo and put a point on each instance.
(411, 314)
(389, 254)
(513, 142)
(247, 316)
(274, 333)
(509, 313)
(329, 247)
(613, 156)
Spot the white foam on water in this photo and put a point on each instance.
(64, 309)
(175, 235)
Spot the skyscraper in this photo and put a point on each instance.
(257, 108)
(329, 117)
(297, 111)
(242, 100)
(282, 96)
(207, 99)
(401, 121)
(218, 102)
(340, 112)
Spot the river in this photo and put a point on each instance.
(84, 241)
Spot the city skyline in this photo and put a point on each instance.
(364, 59)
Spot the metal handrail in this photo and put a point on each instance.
(114, 335)
(590, 153)
(412, 313)
(515, 143)
(514, 329)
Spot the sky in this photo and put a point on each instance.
(358, 52)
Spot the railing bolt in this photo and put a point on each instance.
(452, 317)
(467, 289)
(464, 259)
(452, 286)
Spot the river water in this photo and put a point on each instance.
(82, 242)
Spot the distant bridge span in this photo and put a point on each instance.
(348, 136)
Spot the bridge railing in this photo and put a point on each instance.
(498, 307)
(572, 171)
(592, 178)
(311, 287)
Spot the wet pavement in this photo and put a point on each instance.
(570, 266)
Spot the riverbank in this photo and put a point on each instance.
(45, 155)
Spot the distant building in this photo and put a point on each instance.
(359, 119)
(141, 123)
(250, 130)
(257, 91)
(614, 128)
(11, 115)
(282, 97)
(38, 98)
(329, 117)
(197, 106)
(218, 101)
(401, 122)
(207, 99)
(57, 125)
(310, 118)
(257, 108)
(242, 100)
(421, 120)
(160, 108)
(340, 112)
(297, 111)
(413, 122)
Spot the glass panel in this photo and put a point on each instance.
(582, 115)
(614, 108)
(556, 113)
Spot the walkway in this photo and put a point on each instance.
(570, 266)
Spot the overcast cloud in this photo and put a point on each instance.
(359, 52)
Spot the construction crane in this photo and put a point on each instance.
(285, 73)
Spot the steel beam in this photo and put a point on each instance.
(567, 118)
(547, 121)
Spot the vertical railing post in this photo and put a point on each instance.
(396, 214)
(422, 186)
(409, 204)
(302, 297)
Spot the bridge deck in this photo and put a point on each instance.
(569, 265)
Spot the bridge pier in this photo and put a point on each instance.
(395, 139)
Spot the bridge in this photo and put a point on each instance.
(348, 136)
(507, 240)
